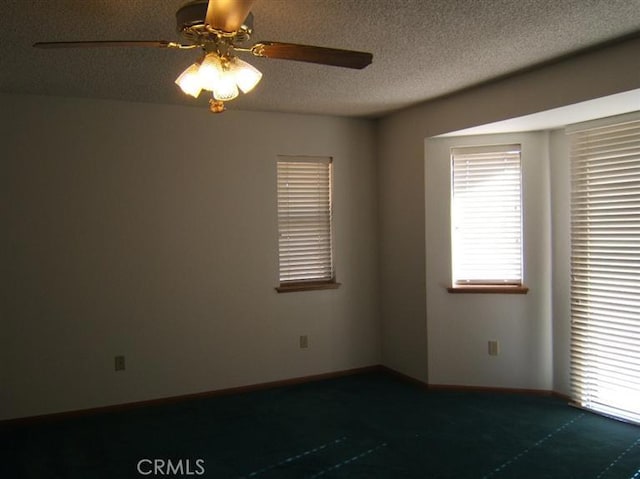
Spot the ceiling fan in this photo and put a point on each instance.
(219, 28)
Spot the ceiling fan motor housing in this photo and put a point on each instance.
(190, 20)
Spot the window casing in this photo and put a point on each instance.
(486, 217)
(605, 266)
(305, 223)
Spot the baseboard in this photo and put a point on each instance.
(270, 385)
(185, 397)
(404, 377)
(486, 389)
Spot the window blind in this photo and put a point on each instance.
(605, 268)
(486, 215)
(304, 219)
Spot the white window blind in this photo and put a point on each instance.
(304, 219)
(605, 268)
(486, 215)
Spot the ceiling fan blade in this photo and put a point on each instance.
(228, 15)
(308, 53)
(99, 44)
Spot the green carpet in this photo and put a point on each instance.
(365, 426)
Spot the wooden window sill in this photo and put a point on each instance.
(488, 289)
(306, 286)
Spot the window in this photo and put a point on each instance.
(305, 223)
(486, 219)
(605, 267)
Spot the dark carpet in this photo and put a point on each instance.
(364, 426)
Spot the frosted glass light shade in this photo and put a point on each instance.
(246, 76)
(225, 89)
(222, 76)
(210, 71)
(189, 81)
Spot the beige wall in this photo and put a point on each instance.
(401, 191)
(150, 231)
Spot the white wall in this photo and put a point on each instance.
(460, 325)
(401, 186)
(150, 231)
(402, 263)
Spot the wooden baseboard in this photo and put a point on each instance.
(185, 397)
(269, 385)
(486, 389)
(404, 377)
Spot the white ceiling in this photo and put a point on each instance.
(421, 49)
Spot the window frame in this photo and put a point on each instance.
(311, 284)
(486, 285)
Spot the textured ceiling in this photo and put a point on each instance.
(421, 49)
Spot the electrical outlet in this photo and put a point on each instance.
(119, 363)
(494, 348)
(304, 342)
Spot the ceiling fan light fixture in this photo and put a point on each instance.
(210, 71)
(225, 88)
(245, 75)
(189, 81)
